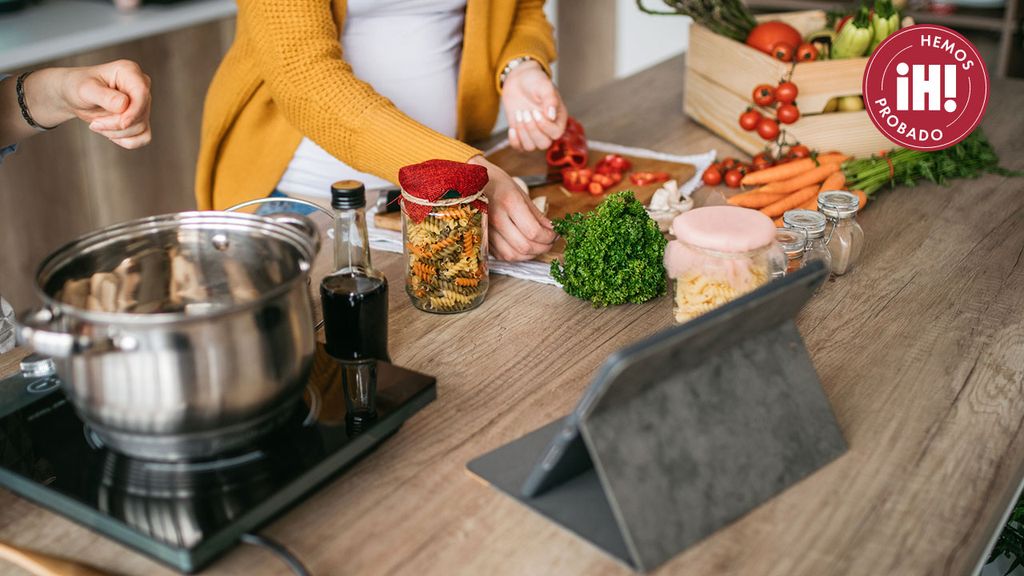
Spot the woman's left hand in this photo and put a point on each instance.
(534, 108)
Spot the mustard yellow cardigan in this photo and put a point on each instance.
(285, 77)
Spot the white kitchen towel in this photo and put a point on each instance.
(391, 241)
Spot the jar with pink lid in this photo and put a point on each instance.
(720, 253)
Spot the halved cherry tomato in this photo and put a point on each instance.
(787, 113)
(733, 177)
(712, 177)
(800, 151)
(786, 93)
(595, 189)
(645, 178)
(576, 179)
(764, 95)
(806, 52)
(768, 129)
(749, 120)
(782, 51)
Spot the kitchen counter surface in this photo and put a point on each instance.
(54, 29)
(919, 351)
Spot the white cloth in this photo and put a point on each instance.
(409, 51)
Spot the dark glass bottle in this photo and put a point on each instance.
(355, 304)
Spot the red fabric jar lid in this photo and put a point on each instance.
(440, 180)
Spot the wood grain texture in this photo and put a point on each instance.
(560, 201)
(70, 181)
(918, 349)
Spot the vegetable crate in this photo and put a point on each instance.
(721, 75)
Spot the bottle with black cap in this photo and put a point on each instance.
(355, 303)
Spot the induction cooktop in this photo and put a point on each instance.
(186, 514)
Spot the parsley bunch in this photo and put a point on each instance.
(613, 254)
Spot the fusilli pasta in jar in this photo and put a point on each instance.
(444, 227)
(719, 254)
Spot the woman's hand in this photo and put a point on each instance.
(518, 231)
(113, 98)
(534, 109)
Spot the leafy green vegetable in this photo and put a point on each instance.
(970, 158)
(613, 254)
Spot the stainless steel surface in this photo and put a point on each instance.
(197, 336)
(37, 366)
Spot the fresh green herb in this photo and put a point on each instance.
(613, 254)
(729, 18)
(970, 158)
(1011, 540)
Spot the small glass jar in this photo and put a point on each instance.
(812, 223)
(845, 237)
(792, 241)
(719, 254)
(446, 255)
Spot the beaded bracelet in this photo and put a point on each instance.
(19, 88)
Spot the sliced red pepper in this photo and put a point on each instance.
(645, 178)
(605, 180)
(595, 188)
(613, 163)
(576, 179)
(571, 149)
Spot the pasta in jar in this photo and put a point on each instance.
(445, 236)
(719, 254)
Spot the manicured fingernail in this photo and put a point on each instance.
(519, 115)
(537, 115)
(552, 113)
(526, 117)
(547, 223)
(511, 133)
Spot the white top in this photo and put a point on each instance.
(409, 51)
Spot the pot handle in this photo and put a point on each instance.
(35, 328)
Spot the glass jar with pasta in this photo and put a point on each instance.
(720, 253)
(444, 228)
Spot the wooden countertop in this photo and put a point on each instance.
(919, 350)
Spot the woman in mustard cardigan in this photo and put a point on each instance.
(316, 91)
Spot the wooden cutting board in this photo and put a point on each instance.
(561, 202)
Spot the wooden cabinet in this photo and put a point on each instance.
(70, 181)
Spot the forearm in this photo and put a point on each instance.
(43, 98)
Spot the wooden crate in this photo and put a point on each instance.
(721, 75)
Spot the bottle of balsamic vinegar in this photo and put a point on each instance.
(355, 304)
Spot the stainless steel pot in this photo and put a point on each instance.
(180, 336)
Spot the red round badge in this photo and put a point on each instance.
(926, 87)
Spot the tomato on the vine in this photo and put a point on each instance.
(786, 92)
(761, 161)
(800, 151)
(749, 120)
(768, 129)
(787, 113)
(712, 177)
(782, 51)
(728, 163)
(764, 95)
(806, 52)
(733, 177)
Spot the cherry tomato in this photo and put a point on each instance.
(786, 92)
(782, 51)
(712, 177)
(800, 151)
(717, 167)
(787, 113)
(733, 177)
(595, 188)
(768, 129)
(728, 163)
(764, 95)
(749, 120)
(806, 52)
(761, 161)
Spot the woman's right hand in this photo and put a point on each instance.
(518, 231)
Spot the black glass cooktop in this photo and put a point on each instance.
(186, 514)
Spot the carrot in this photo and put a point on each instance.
(814, 176)
(754, 199)
(863, 199)
(791, 201)
(790, 169)
(779, 223)
(835, 181)
(811, 204)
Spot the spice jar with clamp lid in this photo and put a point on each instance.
(792, 241)
(719, 254)
(812, 223)
(444, 227)
(844, 237)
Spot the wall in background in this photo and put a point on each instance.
(642, 40)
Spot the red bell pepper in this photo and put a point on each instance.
(576, 179)
(595, 188)
(613, 163)
(645, 178)
(571, 149)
